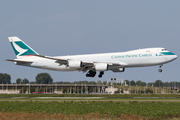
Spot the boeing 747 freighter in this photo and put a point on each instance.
(91, 63)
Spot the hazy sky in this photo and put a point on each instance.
(71, 27)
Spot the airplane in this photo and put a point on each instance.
(91, 63)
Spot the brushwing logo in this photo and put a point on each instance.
(164, 53)
(19, 50)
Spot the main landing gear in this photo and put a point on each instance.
(160, 70)
(101, 74)
(92, 73)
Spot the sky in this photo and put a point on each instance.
(75, 27)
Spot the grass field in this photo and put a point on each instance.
(112, 110)
(155, 99)
(46, 116)
(83, 107)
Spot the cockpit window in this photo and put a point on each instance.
(164, 50)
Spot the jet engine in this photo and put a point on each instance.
(118, 70)
(74, 64)
(101, 66)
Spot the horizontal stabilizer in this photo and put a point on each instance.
(22, 61)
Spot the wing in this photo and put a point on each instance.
(87, 65)
(61, 61)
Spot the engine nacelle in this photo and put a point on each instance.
(118, 70)
(74, 64)
(101, 66)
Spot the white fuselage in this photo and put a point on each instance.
(135, 58)
(91, 63)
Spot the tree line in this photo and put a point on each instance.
(45, 78)
(157, 83)
(42, 78)
(5, 78)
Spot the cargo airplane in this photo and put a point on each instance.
(91, 63)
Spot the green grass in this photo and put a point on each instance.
(89, 99)
(146, 109)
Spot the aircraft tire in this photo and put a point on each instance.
(160, 70)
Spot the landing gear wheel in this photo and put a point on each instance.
(100, 76)
(160, 70)
(91, 73)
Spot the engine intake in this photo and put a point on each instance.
(101, 66)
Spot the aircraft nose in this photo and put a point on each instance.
(171, 57)
(175, 57)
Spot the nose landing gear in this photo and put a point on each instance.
(160, 70)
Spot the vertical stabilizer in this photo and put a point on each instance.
(20, 48)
